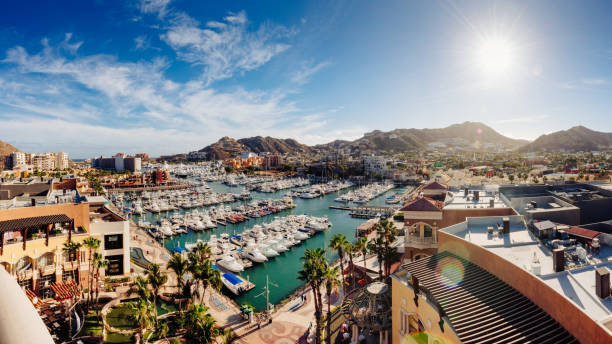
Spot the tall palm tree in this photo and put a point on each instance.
(390, 256)
(377, 246)
(141, 288)
(362, 246)
(338, 242)
(201, 327)
(72, 249)
(349, 249)
(208, 277)
(143, 315)
(91, 244)
(99, 263)
(179, 265)
(314, 262)
(156, 279)
(331, 280)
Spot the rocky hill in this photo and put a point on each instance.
(6, 149)
(575, 139)
(228, 147)
(467, 135)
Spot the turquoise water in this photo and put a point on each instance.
(283, 269)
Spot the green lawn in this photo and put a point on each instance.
(92, 327)
(120, 317)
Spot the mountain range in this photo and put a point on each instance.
(7, 149)
(228, 147)
(575, 139)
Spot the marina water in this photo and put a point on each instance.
(283, 269)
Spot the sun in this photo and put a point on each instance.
(496, 56)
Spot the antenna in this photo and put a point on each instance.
(267, 292)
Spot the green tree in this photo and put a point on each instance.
(313, 263)
(98, 263)
(72, 248)
(200, 326)
(331, 281)
(142, 314)
(91, 244)
(362, 246)
(157, 279)
(338, 242)
(180, 266)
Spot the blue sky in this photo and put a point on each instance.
(170, 76)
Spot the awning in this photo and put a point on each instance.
(28, 222)
(65, 290)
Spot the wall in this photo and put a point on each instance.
(453, 216)
(403, 299)
(575, 321)
(78, 212)
(99, 229)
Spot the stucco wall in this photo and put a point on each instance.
(575, 321)
(79, 212)
(453, 216)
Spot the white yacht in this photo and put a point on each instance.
(230, 263)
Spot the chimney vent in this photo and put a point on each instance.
(558, 260)
(602, 282)
(491, 203)
(506, 221)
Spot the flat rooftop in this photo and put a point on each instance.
(458, 200)
(520, 246)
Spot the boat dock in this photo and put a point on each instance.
(367, 212)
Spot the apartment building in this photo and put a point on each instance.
(62, 161)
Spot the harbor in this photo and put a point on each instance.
(282, 269)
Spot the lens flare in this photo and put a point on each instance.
(450, 271)
(479, 131)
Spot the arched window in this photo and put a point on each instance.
(427, 231)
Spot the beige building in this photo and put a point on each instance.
(61, 160)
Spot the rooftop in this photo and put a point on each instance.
(480, 306)
(458, 200)
(521, 248)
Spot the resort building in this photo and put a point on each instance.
(32, 242)
(494, 280)
(375, 164)
(118, 163)
(62, 161)
(423, 216)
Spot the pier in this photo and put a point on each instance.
(367, 212)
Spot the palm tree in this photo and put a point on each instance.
(141, 288)
(156, 279)
(208, 277)
(390, 256)
(98, 263)
(72, 249)
(362, 246)
(331, 280)
(163, 331)
(338, 242)
(312, 272)
(377, 246)
(179, 265)
(91, 244)
(349, 249)
(201, 327)
(387, 230)
(143, 315)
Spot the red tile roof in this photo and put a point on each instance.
(585, 233)
(423, 204)
(435, 186)
(65, 290)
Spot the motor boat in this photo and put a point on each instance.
(253, 254)
(234, 283)
(277, 246)
(230, 263)
(267, 250)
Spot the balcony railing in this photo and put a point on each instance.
(420, 242)
(48, 269)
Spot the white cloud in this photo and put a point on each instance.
(594, 81)
(303, 76)
(224, 48)
(96, 104)
(158, 7)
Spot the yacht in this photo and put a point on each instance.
(230, 263)
(234, 283)
(253, 254)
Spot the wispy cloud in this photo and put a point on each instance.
(303, 75)
(225, 47)
(594, 81)
(157, 7)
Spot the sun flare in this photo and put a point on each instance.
(496, 57)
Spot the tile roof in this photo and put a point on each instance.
(27, 222)
(481, 307)
(65, 290)
(423, 204)
(435, 186)
(585, 233)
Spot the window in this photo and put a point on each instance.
(427, 231)
(113, 241)
(115, 265)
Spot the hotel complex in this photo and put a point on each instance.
(508, 264)
(38, 218)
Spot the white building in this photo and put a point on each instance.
(61, 160)
(44, 162)
(375, 164)
(18, 158)
(114, 233)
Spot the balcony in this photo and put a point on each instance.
(416, 241)
(48, 269)
(24, 274)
